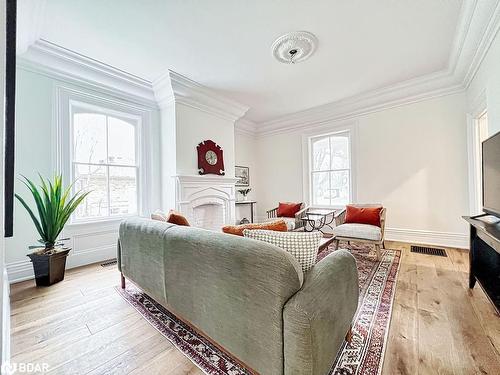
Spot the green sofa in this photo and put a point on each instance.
(249, 297)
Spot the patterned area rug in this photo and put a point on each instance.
(364, 355)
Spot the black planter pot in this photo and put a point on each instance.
(49, 268)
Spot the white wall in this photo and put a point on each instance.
(412, 159)
(35, 141)
(486, 85)
(245, 148)
(194, 126)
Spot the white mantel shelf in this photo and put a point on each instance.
(209, 179)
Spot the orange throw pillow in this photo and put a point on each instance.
(287, 209)
(237, 230)
(363, 215)
(176, 218)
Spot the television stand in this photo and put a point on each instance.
(484, 257)
(477, 216)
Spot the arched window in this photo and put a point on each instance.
(330, 170)
(104, 161)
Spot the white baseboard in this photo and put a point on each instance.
(23, 270)
(458, 240)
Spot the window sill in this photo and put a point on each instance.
(102, 225)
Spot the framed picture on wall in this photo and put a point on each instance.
(243, 175)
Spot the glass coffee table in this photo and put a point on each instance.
(317, 219)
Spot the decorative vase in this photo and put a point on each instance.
(49, 268)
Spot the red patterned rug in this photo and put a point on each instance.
(364, 356)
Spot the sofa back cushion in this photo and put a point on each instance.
(302, 245)
(231, 288)
(278, 226)
(288, 209)
(363, 215)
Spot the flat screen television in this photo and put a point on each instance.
(491, 175)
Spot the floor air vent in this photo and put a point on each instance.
(109, 263)
(429, 251)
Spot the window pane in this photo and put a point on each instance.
(321, 154)
(123, 190)
(121, 142)
(340, 152)
(339, 191)
(320, 188)
(92, 178)
(89, 138)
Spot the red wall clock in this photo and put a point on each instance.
(210, 159)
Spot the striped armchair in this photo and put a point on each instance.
(293, 223)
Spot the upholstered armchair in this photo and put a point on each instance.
(293, 223)
(365, 233)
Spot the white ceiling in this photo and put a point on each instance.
(225, 44)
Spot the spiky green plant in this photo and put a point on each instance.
(54, 207)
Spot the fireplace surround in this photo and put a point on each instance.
(206, 201)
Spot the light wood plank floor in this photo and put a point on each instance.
(82, 326)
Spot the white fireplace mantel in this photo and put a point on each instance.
(195, 192)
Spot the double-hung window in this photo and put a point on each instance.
(330, 170)
(104, 160)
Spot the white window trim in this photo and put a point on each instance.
(351, 129)
(478, 108)
(66, 97)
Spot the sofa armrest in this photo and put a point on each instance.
(317, 318)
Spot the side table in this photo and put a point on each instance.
(249, 203)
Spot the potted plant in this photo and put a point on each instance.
(244, 193)
(54, 207)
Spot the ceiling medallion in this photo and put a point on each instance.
(294, 47)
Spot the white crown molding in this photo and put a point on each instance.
(457, 240)
(173, 87)
(478, 24)
(245, 127)
(44, 57)
(49, 59)
(490, 20)
(412, 91)
(30, 19)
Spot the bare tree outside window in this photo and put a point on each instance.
(104, 161)
(330, 170)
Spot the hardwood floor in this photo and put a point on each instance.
(82, 326)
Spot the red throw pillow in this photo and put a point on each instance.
(176, 218)
(363, 215)
(287, 209)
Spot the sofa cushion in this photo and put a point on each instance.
(303, 246)
(361, 231)
(363, 215)
(275, 225)
(288, 209)
(289, 221)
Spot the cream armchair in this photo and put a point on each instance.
(360, 232)
(293, 223)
